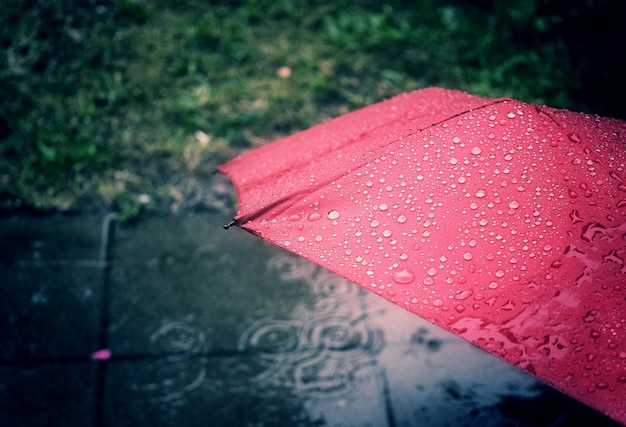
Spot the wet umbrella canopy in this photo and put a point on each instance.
(500, 221)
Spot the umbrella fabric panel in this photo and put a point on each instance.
(279, 172)
(498, 220)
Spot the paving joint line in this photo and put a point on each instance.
(108, 225)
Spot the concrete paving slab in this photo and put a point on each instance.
(49, 313)
(192, 274)
(51, 276)
(286, 327)
(51, 280)
(47, 394)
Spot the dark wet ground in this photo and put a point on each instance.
(208, 327)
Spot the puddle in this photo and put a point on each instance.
(327, 348)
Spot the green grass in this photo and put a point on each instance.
(101, 101)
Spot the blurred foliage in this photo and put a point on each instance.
(130, 104)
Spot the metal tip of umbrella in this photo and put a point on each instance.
(230, 224)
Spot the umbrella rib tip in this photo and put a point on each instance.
(230, 224)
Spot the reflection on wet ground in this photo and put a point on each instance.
(174, 321)
(326, 346)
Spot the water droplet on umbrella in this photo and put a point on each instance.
(428, 281)
(493, 285)
(499, 273)
(491, 301)
(481, 193)
(510, 305)
(375, 223)
(467, 256)
(590, 316)
(592, 230)
(333, 214)
(432, 271)
(314, 216)
(476, 151)
(511, 115)
(575, 217)
(463, 295)
(514, 204)
(383, 206)
(401, 219)
(574, 137)
(387, 233)
(403, 276)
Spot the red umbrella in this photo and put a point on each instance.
(500, 221)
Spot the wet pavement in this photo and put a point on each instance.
(177, 322)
